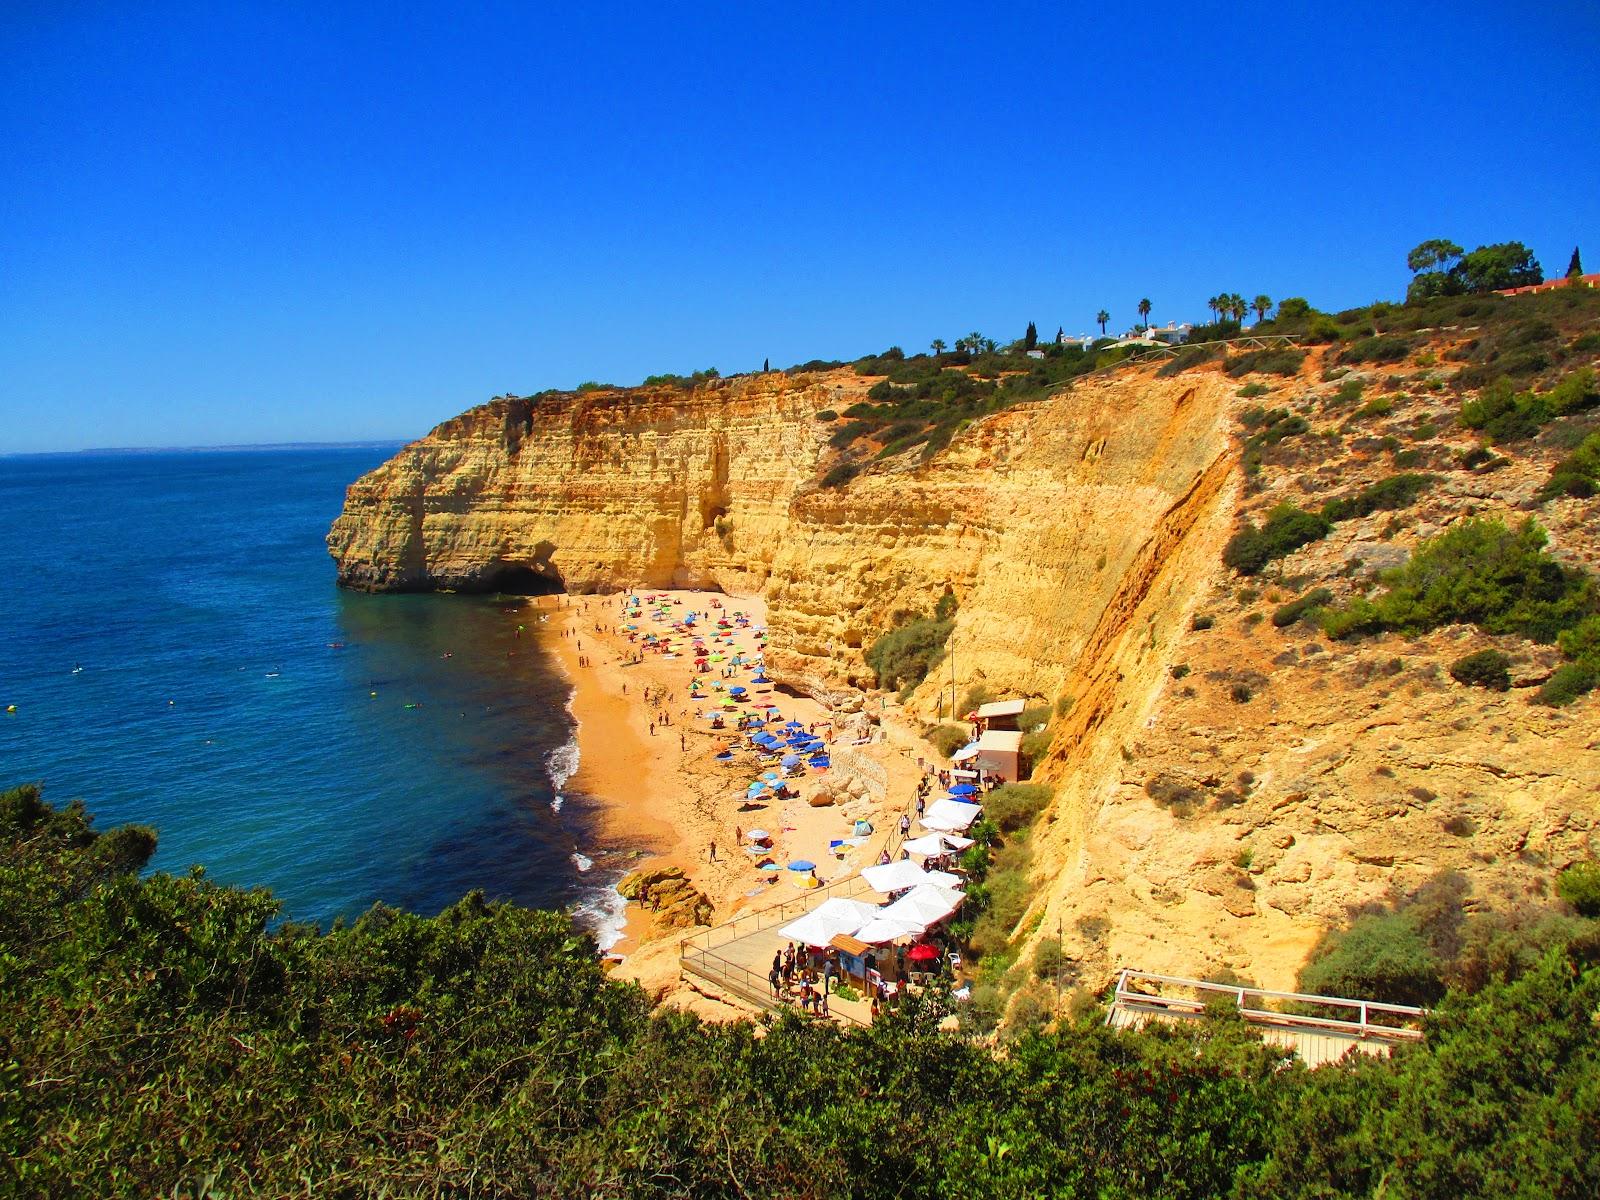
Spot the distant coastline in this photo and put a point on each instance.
(243, 448)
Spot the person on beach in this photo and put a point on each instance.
(905, 825)
(713, 852)
(773, 977)
(644, 894)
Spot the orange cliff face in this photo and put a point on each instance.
(593, 491)
(1080, 535)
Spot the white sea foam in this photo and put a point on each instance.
(561, 765)
(603, 913)
(583, 861)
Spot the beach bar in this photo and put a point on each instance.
(1000, 754)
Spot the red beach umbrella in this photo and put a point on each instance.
(923, 952)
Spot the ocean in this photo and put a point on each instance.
(179, 656)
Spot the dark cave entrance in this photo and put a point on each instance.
(541, 577)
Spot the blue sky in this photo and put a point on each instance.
(226, 223)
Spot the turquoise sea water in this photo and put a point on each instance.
(224, 690)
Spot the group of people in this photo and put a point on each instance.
(811, 977)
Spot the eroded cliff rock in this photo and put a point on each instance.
(1081, 534)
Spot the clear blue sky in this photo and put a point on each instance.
(305, 221)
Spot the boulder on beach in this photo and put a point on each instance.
(821, 798)
(676, 902)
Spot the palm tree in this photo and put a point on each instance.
(1233, 305)
(974, 342)
(1261, 304)
(1102, 316)
(989, 345)
(1215, 305)
(937, 345)
(1144, 312)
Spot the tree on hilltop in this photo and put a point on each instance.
(1261, 304)
(1144, 312)
(1102, 316)
(1435, 254)
(1502, 265)
(1061, 334)
(937, 345)
(1030, 339)
(1236, 306)
(1575, 267)
(1215, 305)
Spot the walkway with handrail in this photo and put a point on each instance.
(1366, 1026)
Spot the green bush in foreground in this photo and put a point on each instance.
(1014, 805)
(1478, 572)
(1579, 886)
(164, 1037)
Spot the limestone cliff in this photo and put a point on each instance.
(1223, 793)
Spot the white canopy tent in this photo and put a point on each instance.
(970, 750)
(950, 816)
(898, 876)
(882, 929)
(937, 843)
(830, 918)
(928, 905)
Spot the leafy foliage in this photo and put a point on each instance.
(1485, 669)
(1579, 886)
(1305, 606)
(904, 656)
(1578, 474)
(1397, 491)
(163, 1036)
(1286, 529)
(1506, 415)
(1477, 572)
(1012, 806)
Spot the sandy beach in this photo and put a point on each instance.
(647, 751)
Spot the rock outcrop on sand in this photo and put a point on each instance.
(1081, 535)
(674, 902)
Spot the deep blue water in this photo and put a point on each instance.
(195, 592)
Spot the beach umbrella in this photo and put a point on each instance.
(791, 760)
(937, 843)
(793, 725)
(725, 755)
(928, 903)
(739, 691)
(758, 835)
(923, 952)
(802, 864)
(963, 789)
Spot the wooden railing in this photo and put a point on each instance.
(1249, 1001)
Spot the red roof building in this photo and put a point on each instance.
(1550, 285)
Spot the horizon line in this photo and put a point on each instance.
(253, 447)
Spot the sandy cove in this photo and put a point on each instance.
(663, 790)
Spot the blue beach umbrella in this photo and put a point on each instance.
(964, 789)
(802, 864)
(791, 760)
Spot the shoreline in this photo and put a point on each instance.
(662, 793)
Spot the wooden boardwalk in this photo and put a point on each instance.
(1318, 1029)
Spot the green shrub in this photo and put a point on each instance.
(1579, 886)
(1307, 605)
(1379, 957)
(904, 656)
(1253, 389)
(841, 473)
(1570, 681)
(1485, 669)
(1202, 621)
(1286, 529)
(1267, 362)
(1506, 415)
(1397, 491)
(1014, 805)
(1377, 350)
(1378, 406)
(1481, 573)
(1578, 474)
(947, 739)
(827, 414)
